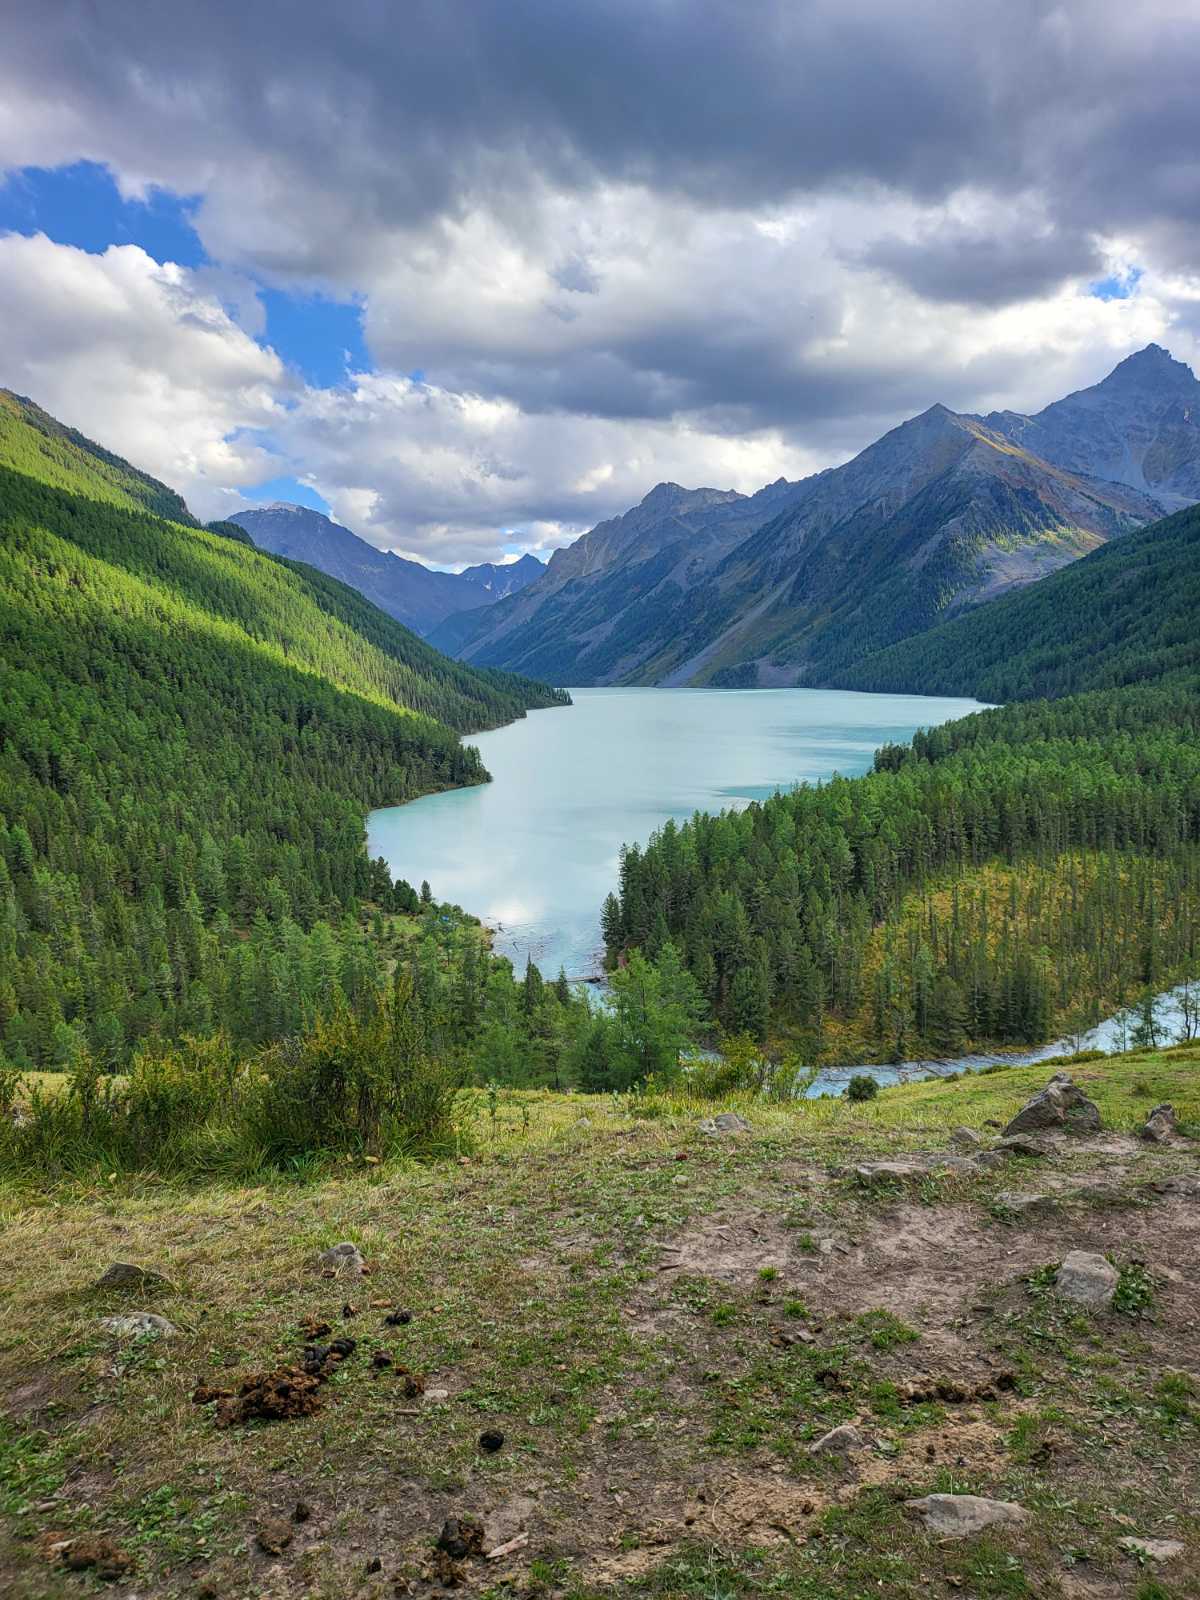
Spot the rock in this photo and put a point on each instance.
(841, 1441)
(724, 1122)
(1087, 1279)
(1061, 1104)
(965, 1139)
(273, 1536)
(877, 1172)
(437, 1397)
(125, 1275)
(954, 1516)
(1160, 1125)
(1027, 1206)
(1153, 1549)
(1188, 1187)
(491, 1440)
(1023, 1144)
(988, 1160)
(345, 1259)
(139, 1324)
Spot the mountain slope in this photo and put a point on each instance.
(414, 594)
(1140, 426)
(1125, 614)
(939, 514)
(190, 734)
(589, 600)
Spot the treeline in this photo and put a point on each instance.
(796, 914)
(191, 734)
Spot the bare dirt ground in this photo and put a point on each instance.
(659, 1326)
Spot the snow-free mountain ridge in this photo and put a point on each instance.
(796, 582)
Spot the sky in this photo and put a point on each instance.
(474, 275)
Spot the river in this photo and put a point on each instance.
(534, 852)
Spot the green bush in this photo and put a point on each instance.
(354, 1083)
(862, 1087)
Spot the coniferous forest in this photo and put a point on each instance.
(190, 735)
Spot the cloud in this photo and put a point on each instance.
(143, 358)
(623, 240)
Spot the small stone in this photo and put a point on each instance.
(872, 1173)
(273, 1536)
(841, 1441)
(345, 1259)
(1160, 1125)
(374, 1565)
(1022, 1144)
(1087, 1279)
(436, 1397)
(965, 1139)
(491, 1440)
(139, 1325)
(988, 1160)
(1153, 1549)
(126, 1275)
(723, 1123)
(954, 1516)
(1027, 1206)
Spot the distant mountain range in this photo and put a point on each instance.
(416, 595)
(800, 581)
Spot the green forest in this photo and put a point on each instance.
(896, 914)
(191, 733)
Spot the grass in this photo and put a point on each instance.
(644, 1330)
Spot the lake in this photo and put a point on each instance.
(534, 852)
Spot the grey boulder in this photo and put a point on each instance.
(1160, 1125)
(955, 1516)
(1062, 1104)
(1087, 1279)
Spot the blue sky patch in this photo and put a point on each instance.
(81, 205)
(1120, 286)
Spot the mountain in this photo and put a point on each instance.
(414, 594)
(500, 579)
(1140, 426)
(191, 733)
(795, 583)
(675, 537)
(1126, 614)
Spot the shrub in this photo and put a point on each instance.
(862, 1087)
(354, 1083)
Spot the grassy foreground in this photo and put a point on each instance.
(659, 1323)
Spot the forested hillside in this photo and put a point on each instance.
(190, 735)
(1125, 614)
(1002, 874)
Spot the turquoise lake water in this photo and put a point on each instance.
(534, 852)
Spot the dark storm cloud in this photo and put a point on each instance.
(983, 268)
(369, 113)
